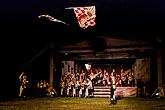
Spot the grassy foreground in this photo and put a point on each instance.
(71, 103)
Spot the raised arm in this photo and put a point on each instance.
(21, 75)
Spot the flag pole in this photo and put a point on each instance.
(76, 7)
(70, 8)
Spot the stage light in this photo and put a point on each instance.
(66, 53)
(52, 93)
(157, 94)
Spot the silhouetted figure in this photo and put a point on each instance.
(23, 86)
(113, 87)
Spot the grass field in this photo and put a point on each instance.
(71, 103)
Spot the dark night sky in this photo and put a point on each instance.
(124, 18)
(23, 35)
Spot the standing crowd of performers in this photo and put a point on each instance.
(42, 88)
(81, 83)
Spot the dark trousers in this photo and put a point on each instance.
(112, 100)
(112, 92)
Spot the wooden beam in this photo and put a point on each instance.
(107, 50)
(128, 49)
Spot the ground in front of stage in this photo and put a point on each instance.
(62, 103)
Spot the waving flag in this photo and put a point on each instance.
(85, 16)
(52, 19)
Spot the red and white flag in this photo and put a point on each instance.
(85, 16)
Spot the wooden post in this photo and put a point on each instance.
(159, 63)
(51, 64)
